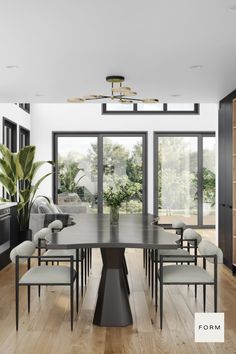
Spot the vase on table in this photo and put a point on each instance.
(114, 215)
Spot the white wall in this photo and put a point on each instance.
(14, 113)
(47, 118)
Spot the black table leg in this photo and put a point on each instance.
(112, 308)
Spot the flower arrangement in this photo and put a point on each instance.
(115, 196)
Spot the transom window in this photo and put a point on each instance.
(147, 108)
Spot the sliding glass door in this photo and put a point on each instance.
(185, 178)
(77, 173)
(87, 163)
(123, 164)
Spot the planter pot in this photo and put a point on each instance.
(114, 215)
(25, 235)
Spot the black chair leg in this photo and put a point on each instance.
(146, 261)
(82, 274)
(28, 298)
(88, 261)
(91, 255)
(77, 280)
(17, 306)
(39, 291)
(149, 269)
(215, 297)
(85, 266)
(152, 274)
(71, 305)
(161, 305)
(156, 285)
(195, 290)
(204, 298)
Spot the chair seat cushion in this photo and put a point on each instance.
(185, 274)
(47, 275)
(178, 252)
(59, 252)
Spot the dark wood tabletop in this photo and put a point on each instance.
(95, 231)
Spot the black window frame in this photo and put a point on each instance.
(24, 106)
(200, 135)
(165, 111)
(7, 123)
(26, 132)
(100, 136)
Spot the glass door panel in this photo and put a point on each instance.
(123, 164)
(77, 184)
(208, 180)
(177, 179)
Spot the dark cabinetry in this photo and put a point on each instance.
(226, 177)
(8, 233)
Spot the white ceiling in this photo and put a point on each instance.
(65, 48)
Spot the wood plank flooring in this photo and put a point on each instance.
(47, 329)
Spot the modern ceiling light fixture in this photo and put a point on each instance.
(119, 93)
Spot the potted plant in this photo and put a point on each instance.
(115, 195)
(17, 175)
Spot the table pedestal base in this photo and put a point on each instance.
(112, 308)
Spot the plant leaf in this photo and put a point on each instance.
(26, 159)
(6, 153)
(7, 169)
(8, 184)
(36, 166)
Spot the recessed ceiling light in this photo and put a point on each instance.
(176, 95)
(196, 67)
(12, 67)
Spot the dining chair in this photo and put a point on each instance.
(179, 255)
(40, 239)
(57, 226)
(182, 274)
(179, 227)
(187, 248)
(54, 275)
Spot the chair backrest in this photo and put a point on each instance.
(56, 224)
(190, 234)
(41, 234)
(206, 247)
(178, 224)
(25, 248)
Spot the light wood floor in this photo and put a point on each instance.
(47, 329)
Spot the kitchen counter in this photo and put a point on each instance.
(7, 205)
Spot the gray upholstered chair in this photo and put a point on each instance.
(183, 274)
(180, 255)
(184, 250)
(78, 255)
(41, 274)
(179, 227)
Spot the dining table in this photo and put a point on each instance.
(95, 231)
